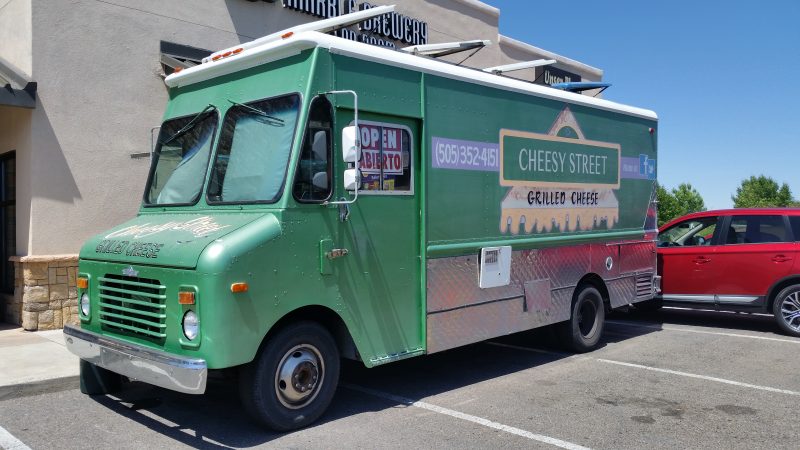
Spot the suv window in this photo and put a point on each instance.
(794, 221)
(756, 230)
(689, 233)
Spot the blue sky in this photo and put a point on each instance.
(722, 77)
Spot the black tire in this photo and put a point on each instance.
(786, 310)
(650, 305)
(304, 353)
(95, 380)
(582, 332)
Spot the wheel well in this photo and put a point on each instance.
(325, 317)
(595, 280)
(777, 287)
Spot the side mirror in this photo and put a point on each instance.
(351, 179)
(351, 151)
(320, 180)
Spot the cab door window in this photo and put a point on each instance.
(313, 178)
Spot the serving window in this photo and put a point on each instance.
(386, 164)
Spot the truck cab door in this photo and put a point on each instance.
(379, 278)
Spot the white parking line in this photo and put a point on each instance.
(669, 328)
(467, 417)
(9, 442)
(701, 377)
(654, 369)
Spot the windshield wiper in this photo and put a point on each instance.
(259, 112)
(189, 125)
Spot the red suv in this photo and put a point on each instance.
(734, 260)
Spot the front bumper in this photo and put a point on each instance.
(137, 362)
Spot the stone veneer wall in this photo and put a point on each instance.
(45, 294)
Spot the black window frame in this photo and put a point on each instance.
(331, 152)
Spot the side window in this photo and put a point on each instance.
(385, 158)
(313, 178)
(756, 230)
(689, 233)
(795, 222)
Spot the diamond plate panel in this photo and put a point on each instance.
(453, 283)
(637, 257)
(600, 255)
(540, 292)
(621, 291)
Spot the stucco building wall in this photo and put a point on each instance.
(101, 90)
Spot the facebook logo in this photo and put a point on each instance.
(647, 167)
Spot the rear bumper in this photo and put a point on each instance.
(155, 367)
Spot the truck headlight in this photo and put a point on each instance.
(190, 325)
(85, 304)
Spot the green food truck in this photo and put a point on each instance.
(313, 198)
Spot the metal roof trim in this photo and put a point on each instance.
(274, 51)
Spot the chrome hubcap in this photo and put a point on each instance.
(299, 376)
(790, 310)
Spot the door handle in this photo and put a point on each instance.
(701, 260)
(780, 258)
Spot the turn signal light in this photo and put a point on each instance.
(239, 287)
(186, 298)
(216, 57)
(238, 50)
(82, 282)
(287, 35)
(177, 69)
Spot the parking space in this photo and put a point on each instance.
(675, 378)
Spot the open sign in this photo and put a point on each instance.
(381, 149)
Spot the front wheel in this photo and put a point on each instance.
(786, 310)
(582, 332)
(292, 381)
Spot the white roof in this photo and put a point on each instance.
(277, 50)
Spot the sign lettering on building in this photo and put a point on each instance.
(549, 76)
(386, 30)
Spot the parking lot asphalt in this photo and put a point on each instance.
(670, 379)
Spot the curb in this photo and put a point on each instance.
(39, 387)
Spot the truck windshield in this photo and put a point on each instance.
(181, 159)
(253, 151)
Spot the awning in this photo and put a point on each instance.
(580, 86)
(16, 88)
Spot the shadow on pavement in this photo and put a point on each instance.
(216, 419)
(730, 321)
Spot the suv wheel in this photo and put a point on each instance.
(786, 309)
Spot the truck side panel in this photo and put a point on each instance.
(563, 225)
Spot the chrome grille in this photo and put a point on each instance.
(132, 305)
(644, 285)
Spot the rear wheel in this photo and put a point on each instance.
(786, 310)
(96, 380)
(583, 331)
(292, 381)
